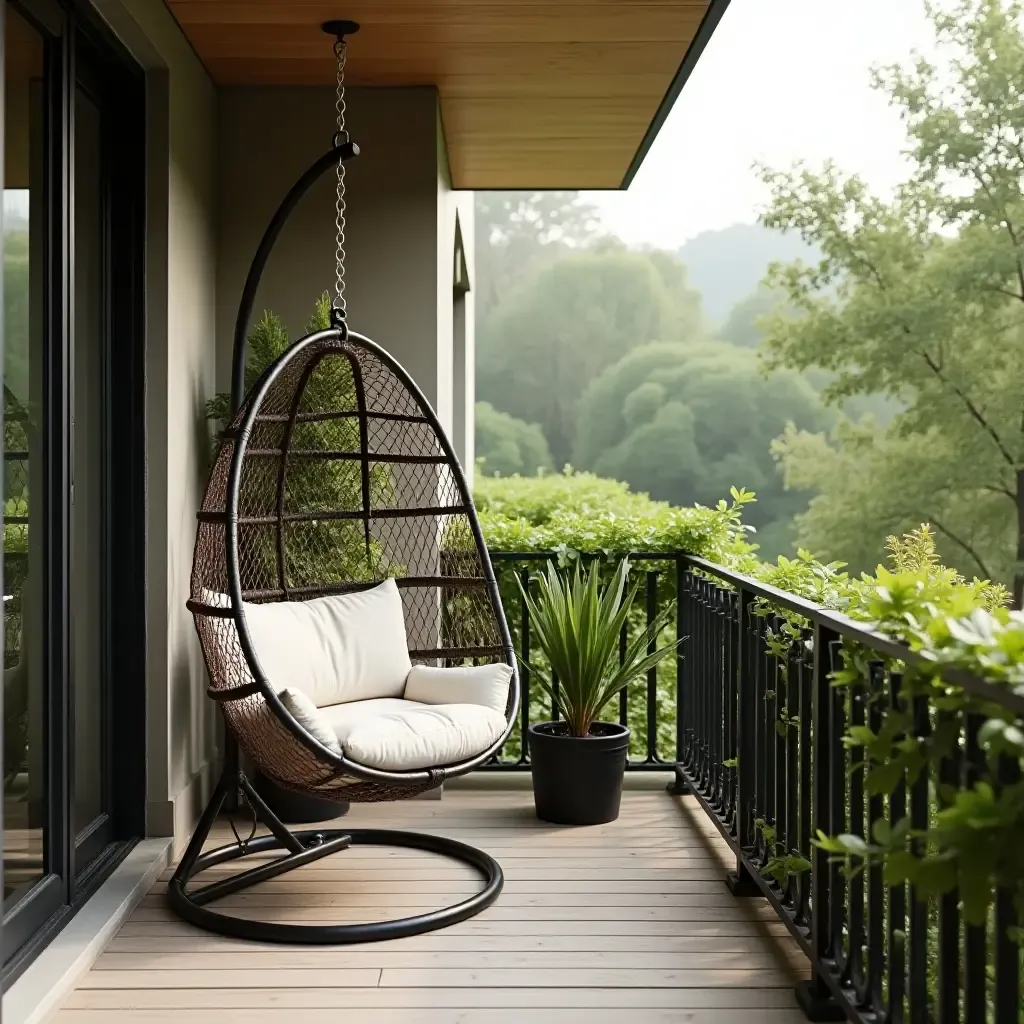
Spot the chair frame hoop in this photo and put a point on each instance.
(343, 765)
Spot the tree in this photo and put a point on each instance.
(518, 232)
(745, 328)
(744, 325)
(506, 446)
(685, 423)
(888, 479)
(689, 314)
(921, 298)
(562, 327)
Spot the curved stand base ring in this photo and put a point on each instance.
(314, 844)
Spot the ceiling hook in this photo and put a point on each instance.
(340, 28)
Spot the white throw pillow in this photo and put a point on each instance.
(424, 737)
(486, 685)
(334, 649)
(311, 718)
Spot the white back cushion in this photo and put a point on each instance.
(486, 685)
(334, 649)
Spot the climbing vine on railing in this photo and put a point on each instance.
(973, 840)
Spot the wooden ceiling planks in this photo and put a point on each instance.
(541, 94)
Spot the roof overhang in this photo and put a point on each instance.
(541, 94)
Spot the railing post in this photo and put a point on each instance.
(651, 753)
(524, 670)
(741, 882)
(678, 786)
(813, 996)
(1007, 963)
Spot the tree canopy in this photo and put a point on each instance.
(920, 297)
(684, 423)
(556, 332)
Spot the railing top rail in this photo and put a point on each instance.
(528, 556)
(835, 621)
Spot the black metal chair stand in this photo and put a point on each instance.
(304, 847)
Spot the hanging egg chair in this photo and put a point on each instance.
(345, 603)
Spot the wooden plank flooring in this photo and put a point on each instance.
(632, 916)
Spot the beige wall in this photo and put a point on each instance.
(180, 365)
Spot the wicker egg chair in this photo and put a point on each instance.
(333, 475)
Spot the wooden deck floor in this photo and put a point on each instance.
(628, 921)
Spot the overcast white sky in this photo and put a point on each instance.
(781, 80)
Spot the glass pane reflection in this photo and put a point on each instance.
(24, 751)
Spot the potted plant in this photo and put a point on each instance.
(578, 762)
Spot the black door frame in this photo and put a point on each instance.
(82, 51)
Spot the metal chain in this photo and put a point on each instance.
(341, 54)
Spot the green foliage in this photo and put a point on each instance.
(539, 499)
(577, 626)
(561, 327)
(17, 426)
(573, 512)
(687, 317)
(920, 298)
(682, 422)
(506, 446)
(973, 840)
(15, 534)
(778, 866)
(319, 551)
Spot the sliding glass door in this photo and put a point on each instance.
(73, 466)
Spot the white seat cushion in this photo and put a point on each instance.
(465, 684)
(346, 647)
(343, 718)
(403, 735)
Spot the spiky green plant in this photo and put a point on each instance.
(576, 624)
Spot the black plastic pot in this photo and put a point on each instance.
(296, 808)
(577, 780)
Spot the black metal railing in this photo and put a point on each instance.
(762, 729)
(749, 719)
(649, 705)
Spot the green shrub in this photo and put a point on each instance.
(572, 512)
